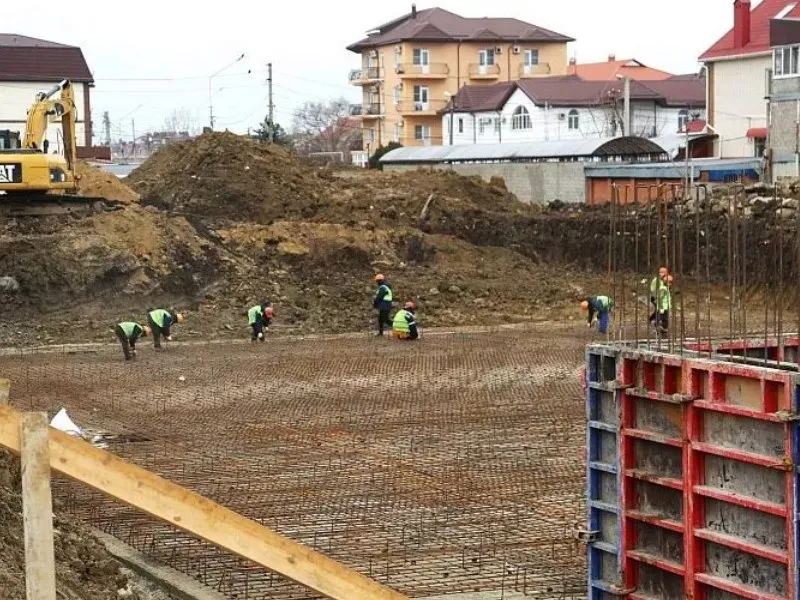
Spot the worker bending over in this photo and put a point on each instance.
(160, 321)
(259, 318)
(383, 303)
(404, 326)
(600, 306)
(128, 333)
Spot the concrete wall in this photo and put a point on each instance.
(553, 123)
(530, 182)
(736, 102)
(452, 65)
(17, 97)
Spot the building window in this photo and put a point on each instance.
(760, 146)
(521, 119)
(398, 127)
(421, 97)
(531, 58)
(497, 125)
(396, 94)
(460, 125)
(486, 57)
(573, 120)
(370, 135)
(683, 120)
(787, 61)
(422, 132)
(422, 57)
(481, 127)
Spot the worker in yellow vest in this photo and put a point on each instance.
(383, 302)
(404, 326)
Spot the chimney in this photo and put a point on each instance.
(413, 11)
(612, 57)
(741, 23)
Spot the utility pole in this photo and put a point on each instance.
(688, 189)
(133, 132)
(271, 105)
(628, 127)
(107, 128)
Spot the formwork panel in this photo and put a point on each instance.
(708, 461)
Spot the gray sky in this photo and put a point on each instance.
(180, 43)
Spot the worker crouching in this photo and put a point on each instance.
(599, 307)
(128, 333)
(160, 321)
(259, 318)
(404, 326)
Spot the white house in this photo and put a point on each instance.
(29, 66)
(737, 69)
(570, 108)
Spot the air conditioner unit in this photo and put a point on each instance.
(399, 69)
(498, 50)
(398, 50)
(373, 54)
(517, 50)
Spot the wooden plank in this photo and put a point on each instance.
(5, 389)
(200, 516)
(37, 508)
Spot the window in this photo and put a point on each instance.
(481, 126)
(396, 94)
(683, 120)
(397, 131)
(573, 120)
(759, 146)
(422, 132)
(370, 135)
(460, 125)
(398, 52)
(422, 57)
(521, 119)
(787, 61)
(485, 60)
(497, 125)
(531, 58)
(421, 97)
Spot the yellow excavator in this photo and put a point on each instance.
(29, 174)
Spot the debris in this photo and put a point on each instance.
(9, 284)
(62, 422)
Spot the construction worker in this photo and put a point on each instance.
(404, 326)
(656, 285)
(160, 320)
(383, 303)
(664, 306)
(127, 333)
(600, 306)
(259, 318)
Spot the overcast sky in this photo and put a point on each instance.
(150, 57)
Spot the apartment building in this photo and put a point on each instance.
(413, 65)
(784, 99)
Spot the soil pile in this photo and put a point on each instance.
(84, 570)
(98, 183)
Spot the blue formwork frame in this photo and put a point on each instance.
(598, 549)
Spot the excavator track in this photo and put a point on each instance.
(43, 205)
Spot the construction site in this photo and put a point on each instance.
(511, 452)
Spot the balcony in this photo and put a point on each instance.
(540, 70)
(489, 72)
(366, 76)
(429, 71)
(370, 110)
(431, 108)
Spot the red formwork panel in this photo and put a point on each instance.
(707, 495)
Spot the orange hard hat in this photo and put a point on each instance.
(269, 312)
(411, 305)
(663, 271)
(379, 277)
(585, 306)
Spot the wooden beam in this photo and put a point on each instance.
(37, 508)
(5, 388)
(197, 515)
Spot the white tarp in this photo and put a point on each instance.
(62, 422)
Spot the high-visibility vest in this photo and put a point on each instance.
(604, 303)
(130, 328)
(664, 299)
(159, 316)
(252, 314)
(401, 321)
(388, 297)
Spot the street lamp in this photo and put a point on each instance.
(452, 98)
(210, 95)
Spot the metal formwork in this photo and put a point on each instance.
(705, 467)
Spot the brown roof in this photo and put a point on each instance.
(25, 58)
(608, 71)
(571, 90)
(439, 25)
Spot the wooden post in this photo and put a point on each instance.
(5, 387)
(37, 508)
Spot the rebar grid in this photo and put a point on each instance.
(452, 465)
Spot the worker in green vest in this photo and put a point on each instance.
(600, 306)
(383, 303)
(160, 321)
(259, 318)
(404, 326)
(664, 305)
(128, 333)
(657, 284)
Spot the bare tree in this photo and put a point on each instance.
(326, 127)
(181, 120)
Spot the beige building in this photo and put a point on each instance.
(412, 66)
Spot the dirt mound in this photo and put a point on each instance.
(84, 570)
(96, 182)
(222, 175)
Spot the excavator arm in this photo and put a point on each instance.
(46, 110)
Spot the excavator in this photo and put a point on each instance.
(32, 181)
